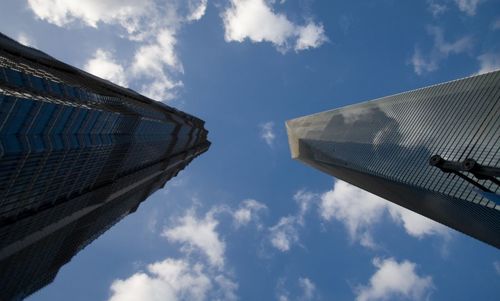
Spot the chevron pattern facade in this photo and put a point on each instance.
(77, 154)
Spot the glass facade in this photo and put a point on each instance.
(77, 154)
(391, 140)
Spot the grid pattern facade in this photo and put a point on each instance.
(77, 154)
(393, 138)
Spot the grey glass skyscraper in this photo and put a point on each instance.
(77, 154)
(434, 150)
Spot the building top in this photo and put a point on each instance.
(106, 87)
(432, 150)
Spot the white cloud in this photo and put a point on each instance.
(305, 199)
(421, 64)
(247, 211)
(150, 58)
(197, 9)
(151, 28)
(126, 13)
(165, 280)
(488, 62)
(415, 224)
(496, 24)
(356, 208)
(496, 265)
(446, 48)
(103, 64)
(25, 39)
(161, 89)
(468, 6)
(310, 36)
(174, 280)
(227, 288)
(308, 289)
(441, 50)
(255, 20)
(152, 221)
(436, 8)
(359, 211)
(396, 280)
(267, 133)
(199, 234)
(187, 278)
(284, 234)
(281, 290)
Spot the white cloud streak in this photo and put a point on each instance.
(256, 20)
(310, 36)
(165, 280)
(227, 288)
(488, 62)
(283, 298)
(440, 51)
(247, 212)
(359, 211)
(126, 13)
(104, 65)
(495, 25)
(150, 62)
(415, 224)
(468, 6)
(308, 289)
(150, 58)
(197, 9)
(284, 234)
(174, 280)
(199, 234)
(395, 280)
(421, 64)
(496, 266)
(150, 26)
(436, 8)
(187, 278)
(281, 290)
(305, 200)
(25, 39)
(267, 133)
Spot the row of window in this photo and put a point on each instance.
(48, 86)
(394, 137)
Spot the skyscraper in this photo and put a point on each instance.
(77, 154)
(435, 151)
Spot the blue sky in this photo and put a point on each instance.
(244, 221)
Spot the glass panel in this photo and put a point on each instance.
(14, 77)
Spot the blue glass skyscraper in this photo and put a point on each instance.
(77, 154)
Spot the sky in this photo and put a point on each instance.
(244, 221)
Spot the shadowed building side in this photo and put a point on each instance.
(77, 154)
(387, 147)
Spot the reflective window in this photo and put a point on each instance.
(14, 77)
(43, 118)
